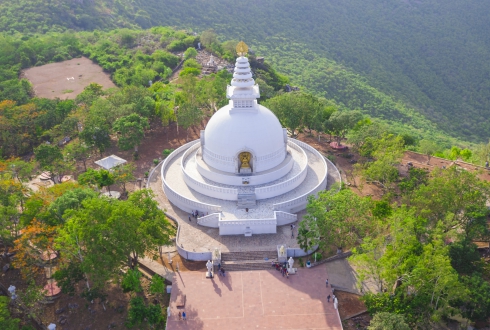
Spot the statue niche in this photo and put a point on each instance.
(244, 159)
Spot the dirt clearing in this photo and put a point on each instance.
(66, 79)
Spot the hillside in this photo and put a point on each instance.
(429, 54)
(402, 61)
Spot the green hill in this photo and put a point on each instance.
(403, 61)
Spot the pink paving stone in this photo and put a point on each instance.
(254, 300)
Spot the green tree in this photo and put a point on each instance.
(428, 148)
(388, 321)
(131, 281)
(341, 218)
(154, 229)
(96, 135)
(6, 321)
(51, 159)
(157, 286)
(475, 304)
(102, 178)
(387, 152)
(340, 122)
(77, 151)
(457, 199)
(296, 110)
(191, 52)
(123, 174)
(131, 131)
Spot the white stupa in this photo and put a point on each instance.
(244, 175)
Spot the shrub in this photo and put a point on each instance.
(166, 152)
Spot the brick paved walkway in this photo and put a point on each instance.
(254, 300)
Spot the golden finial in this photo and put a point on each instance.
(241, 48)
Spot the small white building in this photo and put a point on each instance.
(244, 175)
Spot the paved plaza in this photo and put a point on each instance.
(253, 300)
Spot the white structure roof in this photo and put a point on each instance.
(110, 162)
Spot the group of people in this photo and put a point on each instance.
(221, 271)
(281, 267)
(182, 316)
(195, 214)
(333, 295)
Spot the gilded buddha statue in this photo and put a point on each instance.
(245, 159)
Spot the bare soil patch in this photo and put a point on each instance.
(352, 310)
(67, 79)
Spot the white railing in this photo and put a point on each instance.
(211, 220)
(284, 218)
(288, 185)
(300, 202)
(183, 202)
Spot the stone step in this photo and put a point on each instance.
(246, 201)
(246, 265)
(249, 255)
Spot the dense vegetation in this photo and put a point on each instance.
(415, 245)
(404, 62)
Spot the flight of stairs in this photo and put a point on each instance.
(247, 200)
(250, 260)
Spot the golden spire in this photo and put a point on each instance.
(241, 48)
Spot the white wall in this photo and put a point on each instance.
(284, 218)
(238, 227)
(211, 220)
(180, 201)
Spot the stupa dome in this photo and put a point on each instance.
(229, 133)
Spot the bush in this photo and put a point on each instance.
(191, 52)
(156, 161)
(166, 152)
(190, 71)
(316, 257)
(138, 312)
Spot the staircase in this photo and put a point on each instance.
(246, 200)
(250, 260)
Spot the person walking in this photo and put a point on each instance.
(328, 298)
(184, 316)
(190, 218)
(326, 282)
(180, 316)
(223, 271)
(219, 266)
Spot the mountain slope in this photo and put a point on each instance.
(428, 55)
